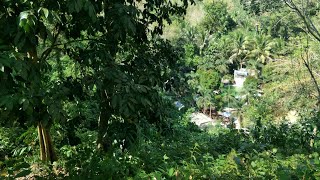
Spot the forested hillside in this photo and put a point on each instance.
(151, 89)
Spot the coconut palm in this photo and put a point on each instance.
(240, 49)
(261, 51)
(205, 101)
(216, 55)
(189, 33)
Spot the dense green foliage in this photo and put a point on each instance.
(94, 89)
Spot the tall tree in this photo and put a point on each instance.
(217, 19)
(89, 32)
(240, 49)
(304, 10)
(261, 50)
(261, 6)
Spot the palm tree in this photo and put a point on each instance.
(229, 96)
(261, 51)
(205, 101)
(189, 33)
(240, 49)
(217, 54)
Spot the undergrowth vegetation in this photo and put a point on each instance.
(270, 151)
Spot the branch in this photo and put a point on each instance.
(307, 65)
(46, 53)
(54, 46)
(77, 40)
(306, 19)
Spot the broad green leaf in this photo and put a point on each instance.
(157, 175)
(26, 21)
(22, 151)
(4, 47)
(114, 101)
(131, 106)
(126, 110)
(23, 173)
(5, 61)
(23, 72)
(274, 150)
(45, 12)
(22, 165)
(91, 10)
(25, 105)
(23, 22)
(22, 100)
(148, 102)
(171, 172)
(133, 100)
(24, 15)
(18, 37)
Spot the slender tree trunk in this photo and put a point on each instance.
(314, 80)
(240, 121)
(103, 141)
(47, 152)
(41, 143)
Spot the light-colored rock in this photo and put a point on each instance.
(292, 116)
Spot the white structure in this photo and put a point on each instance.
(201, 120)
(239, 77)
(237, 124)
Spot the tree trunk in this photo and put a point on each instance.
(47, 152)
(240, 121)
(41, 143)
(103, 141)
(313, 79)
